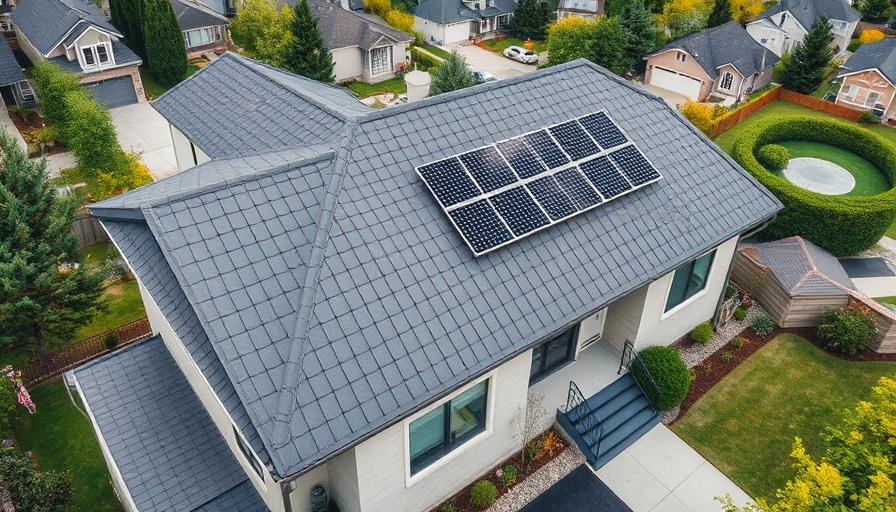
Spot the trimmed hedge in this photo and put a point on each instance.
(669, 372)
(773, 157)
(843, 225)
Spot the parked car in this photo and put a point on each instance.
(521, 54)
(483, 76)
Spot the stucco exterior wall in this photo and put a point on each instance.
(774, 34)
(737, 82)
(27, 46)
(344, 477)
(300, 489)
(183, 153)
(690, 67)
(442, 34)
(870, 80)
(348, 63)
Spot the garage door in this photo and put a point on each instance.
(116, 92)
(676, 83)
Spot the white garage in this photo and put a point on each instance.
(671, 81)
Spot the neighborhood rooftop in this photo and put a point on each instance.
(807, 11)
(10, 71)
(445, 12)
(332, 288)
(880, 55)
(192, 15)
(802, 267)
(48, 22)
(341, 28)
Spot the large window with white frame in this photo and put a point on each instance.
(443, 429)
(689, 279)
(202, 36)
(860, 96)
(95, 55)
(380, 60)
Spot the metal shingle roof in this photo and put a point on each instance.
(345, 273)
(803, 267)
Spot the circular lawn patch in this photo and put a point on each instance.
(868, 179)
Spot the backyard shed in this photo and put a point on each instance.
(793, 279)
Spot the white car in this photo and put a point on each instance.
(521, 54)
(483, 77)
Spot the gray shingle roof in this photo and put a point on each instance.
(47, 22)
(170, 454)
(802, 267)
(339, 297)
(807, 11)
(343, 29)
(191, 15)
(123, 56)
(10, 71)
(591, 6)
(445, 12)
(236, 106)
(725, 44)
(879, 55)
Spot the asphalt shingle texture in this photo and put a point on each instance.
(807, 11)
(445, 12)
(46, 22)
(344, 29)
(191, 15)
(10, 71)
(880, 55)
(170, 454)
(123, 55)
(802, 267)
(398, 312)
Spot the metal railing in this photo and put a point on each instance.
(592, 430)
(632, 362)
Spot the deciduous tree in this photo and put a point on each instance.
(451, 75)
(683, 17)
(875, 10)
(804, 71)
(53, 84)
(570, 39)
(721, 14)
(530, 19)
(263, 31)
(745, 10)
(165, 52)
(608, 49)
(307, 54)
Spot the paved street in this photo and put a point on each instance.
(143, 130)
(496, 64)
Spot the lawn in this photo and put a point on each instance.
(394, 85)
(435, 50)
(886, 300)
(62, 439)
(154, 89)
(499, 46)
(869, 180)
(73, 176)
(746, 424)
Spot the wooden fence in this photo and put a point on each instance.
(820, 105)
(726, 123)
(88, 229)
(79, 353)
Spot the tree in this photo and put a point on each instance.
(721, 14)
(165, 52)
(804, 71)
(307, 54)
(451, 75)
(570, 39)
(44, 295)
(745, 10)
(53, 84)
(875, 10)
(640, 29)
(263, 31)
(683, 17)
(608, 48)
(530, 20)
(378, 7)
(128, 16)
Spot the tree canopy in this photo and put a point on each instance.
(307, 54)
(609, 44)
(570, 39)
(640, 29)
(530, 19)
(805, 68)
(451, 75)
(128, 16)
(875, 10)
(263, 31)
(165, 52)
(721, 14)
(683, 17)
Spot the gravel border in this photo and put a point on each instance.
(696, 353)
(540, 481)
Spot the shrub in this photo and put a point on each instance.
(509, 474)
(89, 132)
(669, 372)
(8, 405)
(871, 35)
(483, 494)
(851, 223)
(737, 342)
(423, 60)
(854, 45)
(727, 357)
(763, 325)
(378, 7)
(773, 157)
(869, 118)
(847, 330)
(702, 333)
(533, 450)
(32, 490)
(449, 506)
(400, 20)
(53, 85)
(111, 340)
(702, 115)
(740, 313)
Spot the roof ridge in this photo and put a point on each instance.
(802, 246)
(289, 384)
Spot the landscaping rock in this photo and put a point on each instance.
(539, 481)
(696, 353)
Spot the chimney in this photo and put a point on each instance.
(418, 83)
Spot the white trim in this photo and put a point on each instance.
(63, 38)
(88, 29)
(669, 70)
(97, 64)
(242, 438)
(694, 297)
(876, 70)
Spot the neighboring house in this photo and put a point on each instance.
(453, 21)
(361, 48)
(6, 7)
(14, 86)
(722, 61)
(204, 29)
(76, 35)
(785, 23)
(224, 7)
(868, 79)
(320, 320)
(588, 9)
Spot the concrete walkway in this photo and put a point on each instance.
(60, 162)
(142, 129)
(661, 473)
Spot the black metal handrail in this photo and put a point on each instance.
(632, 362)
(591, 425)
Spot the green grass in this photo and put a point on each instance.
(73, 177)
(435, 50)
(746, 424)
(154, 89)
(869, 180)
(826, 86)
(62, 439)
(886, 300)
(394, 85)
(499, 46)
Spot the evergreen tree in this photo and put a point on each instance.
(640, 27)
(165, 52)
(875, 10)
(721, 14)
(131, 15)
(307, 54)
(530, 20)
(608, 49)
(808, 63)
(451, 75)
(118, 18)
(44, 296)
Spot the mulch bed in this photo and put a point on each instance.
(35, 122)
(461, 499)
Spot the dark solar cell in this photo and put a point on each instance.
(577, 188)
(522, 158)
(480, 226)
(519, 211)
(488, 169)
(603, 129)
(449, 182)
(546, 148)
(605, 177)
(635, 167)
(552, 199)
(574, 140)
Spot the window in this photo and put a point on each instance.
(689, 279)
(860, 96)
(380, 60)
(727, 81)
(95, 55)
(681, 57)
(202, 36)
(247, 452)
(552, 354)
(448, 426)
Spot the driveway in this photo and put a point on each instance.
(496, 64)
(673, 99)
(143, 130)
(875, 277)
(579, 491)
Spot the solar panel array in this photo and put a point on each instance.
(508, 190)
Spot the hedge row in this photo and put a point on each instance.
(843, 225)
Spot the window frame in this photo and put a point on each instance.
(389, 65)
(248, 453)
(572, 338)
(213, 33)
(681, 56)
(95, 55)
(689, 298)
(727, 77)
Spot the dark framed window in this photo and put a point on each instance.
(247, 452)
(689, 279)
(89, 57)
(552, 354)
(448, 426)
(727, 81)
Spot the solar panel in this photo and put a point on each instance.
(505, 191)
(605, 177)
(635, 167)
